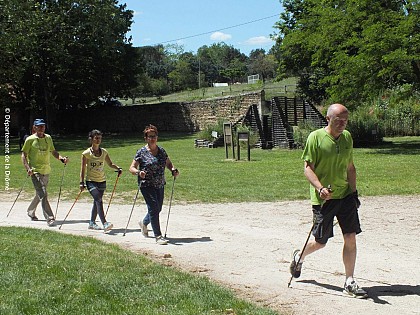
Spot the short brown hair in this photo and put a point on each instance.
(93, 133)
(148, 129)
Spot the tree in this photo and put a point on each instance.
(64, 54)
(235, 71)
(349, 51)
(219, 58)
(262, 64)
(183, 76)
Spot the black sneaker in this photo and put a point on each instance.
(33, 218)
(354, 290)
(295, 268)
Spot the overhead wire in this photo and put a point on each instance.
(218, 30)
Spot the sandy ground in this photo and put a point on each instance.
(247, 247)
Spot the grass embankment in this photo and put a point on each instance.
(50, 273)
(286, 87)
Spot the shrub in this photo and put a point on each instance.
(206, 133)
(398, 110)
(301, 133)
(365, 127)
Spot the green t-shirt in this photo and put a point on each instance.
(38, 152)
(331, 158)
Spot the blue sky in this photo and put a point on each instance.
(243, 24)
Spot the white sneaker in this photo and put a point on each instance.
(93, 226)
(51, 221)
(354, 290)
(108, 226)
(143, 229)
(295, 268)
(160, 240)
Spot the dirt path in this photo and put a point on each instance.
(247, 247)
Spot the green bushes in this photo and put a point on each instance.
(301, 133)
(394, 113)
(206, 133)
(365, 127)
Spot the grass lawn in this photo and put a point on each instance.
(51, 273)
(207, 176)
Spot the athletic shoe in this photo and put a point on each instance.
(160, 240)
(33, 218)
(143, 229)
(354, 290)
(295, 268)
(51, 221)
(94, 226)
(108, 226)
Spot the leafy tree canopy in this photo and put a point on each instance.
(63, 54)
(349, 51)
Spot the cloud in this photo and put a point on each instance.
(259, 40)
(219, 36)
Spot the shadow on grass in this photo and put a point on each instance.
(78, 142)
(407, 147)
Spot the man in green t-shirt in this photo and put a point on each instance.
(329, 168)
(36, 159)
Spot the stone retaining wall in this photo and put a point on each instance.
(187, 116)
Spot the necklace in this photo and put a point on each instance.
(96, 152)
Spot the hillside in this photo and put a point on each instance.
(285, 87)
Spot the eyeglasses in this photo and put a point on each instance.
(151, 137)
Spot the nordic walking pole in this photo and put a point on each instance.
(78, 195)
(134, 203)
(112, 194)
(170, 203)
(23, 185)
(61, 185)
(300, 256)
(304, 246)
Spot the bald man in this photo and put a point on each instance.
(329, 168)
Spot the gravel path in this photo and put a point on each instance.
(247, 247)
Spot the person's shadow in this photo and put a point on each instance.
(375, 292)
(188, 240)
(172, 240)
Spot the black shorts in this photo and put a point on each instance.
(347, 215)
